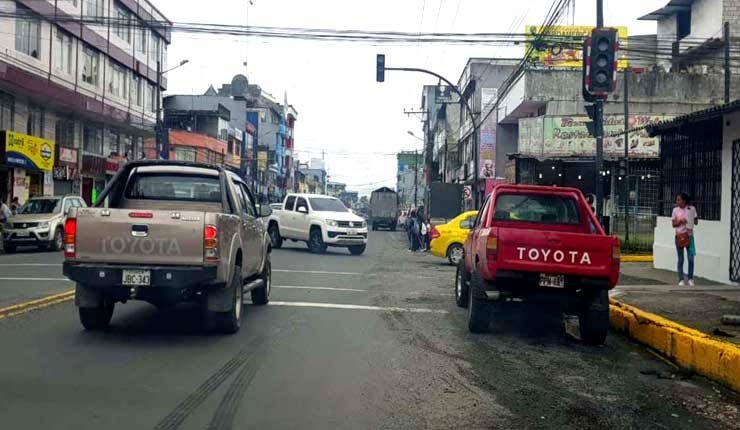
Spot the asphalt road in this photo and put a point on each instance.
(348, 342)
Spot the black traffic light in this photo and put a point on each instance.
(380, 68)
(601, 62)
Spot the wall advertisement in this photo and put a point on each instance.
(487, 146)
(29, 152)
(567, 136)
(563, 45)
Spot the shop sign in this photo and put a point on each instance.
(112, 166)
(67, 155)
(29, 152)
(66, 173)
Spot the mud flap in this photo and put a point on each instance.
(87, 297)
(220, 299)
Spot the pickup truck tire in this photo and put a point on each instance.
(462, 286)
(275, 238)
(96, 318)
(230, 322)
(593, 319)
(357, 249)
(479, 312)
(316, 242)
(261, 295)
(57, 244)
(455, 254)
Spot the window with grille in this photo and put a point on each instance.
(27, 32)
(691, 162)
(35, 121)
(118, 81)
(141, 36)
(64, 132)
(93, 8)
(137, 93)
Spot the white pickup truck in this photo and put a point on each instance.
(320, 221)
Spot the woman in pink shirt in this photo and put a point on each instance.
(684, 219)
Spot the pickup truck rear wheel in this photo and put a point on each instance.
(275, 238)
(96, 318)
(261, 295)
(230, 322)
(316, 242)
(462, 286)
(479, 312)
(593, 320)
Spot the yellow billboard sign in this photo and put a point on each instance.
(29, 152)
(562, 46)
(262, 160)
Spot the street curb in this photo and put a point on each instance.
(688, 348)
(22, 308)
(636, 259)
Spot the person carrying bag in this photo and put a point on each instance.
(684, 218)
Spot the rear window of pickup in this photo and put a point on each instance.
(537, 208)
(174, 187)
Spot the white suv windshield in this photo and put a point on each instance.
(327, 205)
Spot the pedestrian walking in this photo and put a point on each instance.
(684, 219)
(5, 212)
(429, 235)
(410, 229)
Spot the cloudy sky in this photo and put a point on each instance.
(342, 111)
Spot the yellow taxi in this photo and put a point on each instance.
(448, 239)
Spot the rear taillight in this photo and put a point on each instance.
(434, 234)
(492, 248)
(210, 243)
(616, 256)
(70, 237)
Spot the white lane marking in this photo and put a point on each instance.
(320, 272)
(36, 279)
(356, 290)
(32, 264)
(359, 307)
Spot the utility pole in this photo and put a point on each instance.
(599, 128)
(416, 175)
(158, 122)
(626, 153)
(727, 62)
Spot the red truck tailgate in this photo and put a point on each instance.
(554, 252)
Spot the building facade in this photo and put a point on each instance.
(78, 79)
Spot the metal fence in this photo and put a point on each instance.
(635, 207)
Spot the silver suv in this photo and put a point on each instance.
(40, 223)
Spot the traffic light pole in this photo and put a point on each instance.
(470, 112)
(599, 128)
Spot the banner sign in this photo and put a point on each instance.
(29, 152)
(567, 136)
(487, 147)
(563, 45)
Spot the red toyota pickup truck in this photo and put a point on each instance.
(534, 242)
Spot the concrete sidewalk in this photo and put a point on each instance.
(699, 307)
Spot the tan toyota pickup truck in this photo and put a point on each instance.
(167, 232)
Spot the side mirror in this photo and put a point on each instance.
(302, 209)
(265, 211)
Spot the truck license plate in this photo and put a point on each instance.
(552, 281)
(352, 232)
(22, 233)
(136, 277)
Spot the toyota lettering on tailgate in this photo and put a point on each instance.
(141, 245)
(548, 255)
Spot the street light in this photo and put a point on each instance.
(163, 146)
(411, 133)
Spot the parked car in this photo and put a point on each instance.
(448, 239)
(534, 242)
(167, 232)
(320, 221)
(40, 222)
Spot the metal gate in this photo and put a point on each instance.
(735, 217)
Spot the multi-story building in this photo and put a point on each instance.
(78, 91)
(410, 182)
(335, 189)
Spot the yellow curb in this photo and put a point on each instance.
(636, 259)
(688, 348)
(22, 308)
